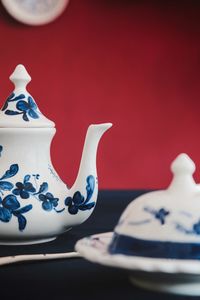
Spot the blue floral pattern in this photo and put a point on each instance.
(4, 184)
(160, 214)
(26, 107)
(194, 230)
(24, 189)
(12, 98)
(78, 202)
(10, 206)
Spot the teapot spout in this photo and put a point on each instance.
(85, 188)
(88, 161)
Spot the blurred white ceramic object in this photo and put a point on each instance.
(35, 12)
(159, 232)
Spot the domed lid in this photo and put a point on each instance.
(20, 109)
(164, 223)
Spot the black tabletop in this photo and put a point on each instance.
(74, 278)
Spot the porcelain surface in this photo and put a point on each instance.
(165, 223)
(32, 12)
(157, 237)
(35, 204)
(181, 277)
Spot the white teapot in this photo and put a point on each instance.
(35, 205)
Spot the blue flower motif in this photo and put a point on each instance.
(5, 185)
(77, 202)
(10, 206)
(29, 108)
(48, 201)
(160, 214)
(12, 98)
(24, 189)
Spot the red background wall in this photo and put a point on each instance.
(133, 63)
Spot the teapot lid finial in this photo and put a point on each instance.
(20, 77)
(183, 164)
(183, 168)
(20, 108)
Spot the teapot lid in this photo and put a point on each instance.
(163, 223)
(20, 109)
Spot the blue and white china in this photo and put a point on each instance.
(165, 223)
(35, 205)
(175, 276)
(158, 235)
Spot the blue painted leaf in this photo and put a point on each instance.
(32, 103)
(47, 205)
(23, 194)
(68, 201)
(26, 178)
(16, 192)
(11, 96)
(54, 202)
(23, 210)
(11, 202)
(87, 206)
(43, 187)
(19, 97)
(5, 106)
(72, 209)
(11, 172)
(28, 186)
(5, 214)
(22, 222)
(90, 187)
(7, 101)
(12, 112)
(49, 196)
(25, 118)
(78, 199)
(22, 106)
(33, 114)
(6, 186)
(42, 197)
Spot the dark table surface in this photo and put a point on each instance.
(74, 278)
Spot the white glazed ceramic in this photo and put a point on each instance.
(164, 223)
(178, 276)
(158, 234)
(35, 205)
(35, 12)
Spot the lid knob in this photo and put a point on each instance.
(183, 165)
(183, 168)
(20, 109)
(20, 77)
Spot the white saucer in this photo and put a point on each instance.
(164, 275)
(35, 12)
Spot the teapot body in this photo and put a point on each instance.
(33, 199)
(35, 205)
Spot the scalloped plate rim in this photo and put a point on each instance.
(132, 263)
